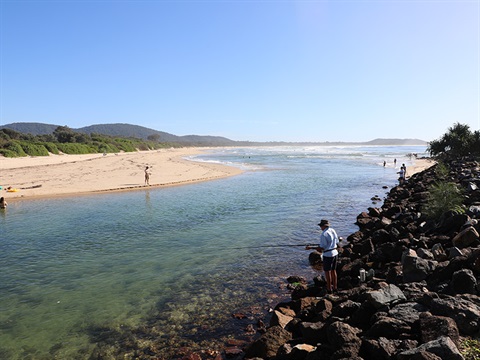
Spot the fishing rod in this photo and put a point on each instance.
(341, 244)
(271, 246)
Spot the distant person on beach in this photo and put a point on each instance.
(147, 176)
(3, 203)
(328, 247)
(394, 162)
(384, 163)
(401, 175)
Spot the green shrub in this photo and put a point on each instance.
(74, 148)
(51, 147)
(107, 148)
(125, 145)
(470, 349)
(143, 146)
(443, 196)
(8, 153)
(34, 149)
(15, 147)
(441, 170)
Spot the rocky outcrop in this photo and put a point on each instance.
(421, 294)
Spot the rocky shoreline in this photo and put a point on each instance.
(420, 296)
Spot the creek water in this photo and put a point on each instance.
(76, 272)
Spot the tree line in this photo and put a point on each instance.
(65, 140)
(458, 141)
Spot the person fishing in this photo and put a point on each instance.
(328, 247)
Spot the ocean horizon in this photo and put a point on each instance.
(100, 276)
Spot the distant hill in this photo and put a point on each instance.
(127, 130)
(140, 132)
(31, 128)
(124, 130)
(396, 142)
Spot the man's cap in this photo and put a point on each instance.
(324, 223)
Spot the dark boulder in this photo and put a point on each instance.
(269, 343)
(442, 347)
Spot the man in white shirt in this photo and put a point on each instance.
(328, 247)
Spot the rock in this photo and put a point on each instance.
(442, 347)
(280, 319)
(465, 238)
(433, 327)
(312, 333)
(385, 349)
(296, 279)
(345, 309)
(323, 309)
(269, 343)
(297, 352)
(454, 223)
(454, 252)
(414, 268)
(438, 252)
(474, 210)
(425, 254)
(407, 312)
(381, 236)
(390, 328)
(390, 294)
(231, 352)
(464, 282)
(315, 258)
(425, 355)
(363, 220)
(361, 317)
(343, 335)
(465, 313)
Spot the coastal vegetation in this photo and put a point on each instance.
(458, 141)
(444, 194)
(128, 131)
(67, 141)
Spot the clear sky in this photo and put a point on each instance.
(247, 70)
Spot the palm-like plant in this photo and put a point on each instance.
(458, 141)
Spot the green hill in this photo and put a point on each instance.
(126, 131)
(144, 133)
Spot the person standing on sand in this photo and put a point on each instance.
(328, 247)
(147, 176)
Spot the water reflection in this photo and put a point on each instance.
(147, 200)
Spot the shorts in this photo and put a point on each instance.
(330, 263)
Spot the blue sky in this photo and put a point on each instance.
(247, 70)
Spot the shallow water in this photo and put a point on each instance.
(76, 271)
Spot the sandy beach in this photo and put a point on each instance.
(419, 165)
(68, 175)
